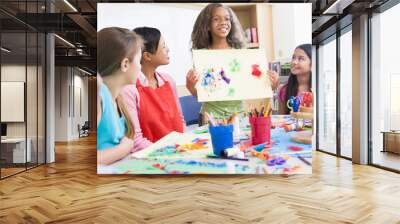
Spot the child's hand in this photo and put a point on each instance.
(127, 143)
(191, 79)
(274, 78)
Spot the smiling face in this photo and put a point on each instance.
(220, 23)
(161, 56)
(301, 63)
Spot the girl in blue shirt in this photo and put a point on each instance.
(119, 53)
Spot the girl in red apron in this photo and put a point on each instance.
(153, 101)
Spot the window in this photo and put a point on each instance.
(346, 93)
(327, 96)
(385, 87)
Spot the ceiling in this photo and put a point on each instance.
(76, 22)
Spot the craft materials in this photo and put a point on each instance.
(230, 152)
(260, 129)
(293, 103)
(201, 130)
(304, 160)
(260, 147)
(304, 137)
(221, 137)
(276, 161)
(231, 158)
(190, 153)
(295, 148)
(290, 127)
(221, 120)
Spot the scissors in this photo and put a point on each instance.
(293, 103)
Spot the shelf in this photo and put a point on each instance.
(253, 45)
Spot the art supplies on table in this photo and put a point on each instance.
(304, 137)
(177, 144)
(293, 103)
(201, 130)
(229, 158)
(221, 138)
(216, 121)
(260, 121)
(190, 153)
(290, 127)
(304, 160)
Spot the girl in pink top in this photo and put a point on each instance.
(153, 102)
(299, 79)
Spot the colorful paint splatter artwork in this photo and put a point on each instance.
(180, 149)
(180, 166)
(234, 74)
(214, 80)
(234, 66)
(256, 70)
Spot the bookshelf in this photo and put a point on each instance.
(259, 17)
(247, 15)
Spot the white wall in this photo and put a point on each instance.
(175, 21)
(291, 27)
(33, 127)
(67, 115)
(15, 73)
(81, 84)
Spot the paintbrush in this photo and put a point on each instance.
(232, 118)
(210, 119)
(304, 160)
(231, 158)
(262, 112)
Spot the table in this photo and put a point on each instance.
(17, 150)
(391, 141)
(158, 160)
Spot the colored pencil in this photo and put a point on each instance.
(231, 158)
(304, 160)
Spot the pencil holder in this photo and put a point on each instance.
(221, 138)
(260, 129)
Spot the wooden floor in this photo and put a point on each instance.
(10, 171)
(70, 191)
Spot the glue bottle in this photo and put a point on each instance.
(230, 152)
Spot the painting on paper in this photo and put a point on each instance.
(237, 74)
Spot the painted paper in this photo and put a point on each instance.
(238, 74)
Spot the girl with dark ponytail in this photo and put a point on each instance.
(300, 77)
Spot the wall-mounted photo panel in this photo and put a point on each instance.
(217, 92)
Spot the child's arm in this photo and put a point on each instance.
(282, 108)
(132, 101)
(191, 80)
(274, 79)
(281, 100)
(99, 105)
(108, 156)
